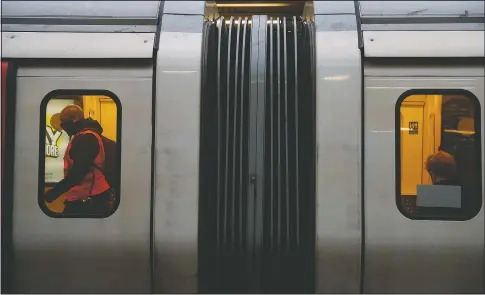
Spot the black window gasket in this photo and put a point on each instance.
(478, 167)
(41, 177)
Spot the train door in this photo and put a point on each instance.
(423, 178)
(58, 249)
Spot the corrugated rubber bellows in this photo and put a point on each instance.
(257, 213)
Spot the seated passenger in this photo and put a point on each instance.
(85, 186)
(441, 167)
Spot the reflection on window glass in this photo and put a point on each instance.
(80, 156)
(439, 157)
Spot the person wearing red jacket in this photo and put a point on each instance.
(84, 185)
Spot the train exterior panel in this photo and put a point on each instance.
(277, 147)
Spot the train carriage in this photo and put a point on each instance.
(262, 147)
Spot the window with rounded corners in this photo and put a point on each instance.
(80, 154)
(438, 155)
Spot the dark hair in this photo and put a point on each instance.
(441, 164)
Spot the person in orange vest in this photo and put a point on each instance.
(84, 185)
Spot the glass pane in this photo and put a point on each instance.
(439, 141)
(80, 156)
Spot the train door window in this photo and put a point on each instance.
(79, 175)
(438, 144)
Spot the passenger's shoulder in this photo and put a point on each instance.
(86, 138)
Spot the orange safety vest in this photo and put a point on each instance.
(94, 183)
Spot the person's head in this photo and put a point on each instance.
(441, 166)
(69, 116)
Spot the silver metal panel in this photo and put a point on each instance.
(116, 71)
(79, 28)
(334, 7)
(424, 43)
(184, 7)
(404, 255)
(172, 23)
(422, 15)
(339, 147)
(424, 27)
(421, 8)
(177, 159)
(339, 22)
(79, 9)
(77, 45)
(72, 255)
(86, 16)
(424, 70)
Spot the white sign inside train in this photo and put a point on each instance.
(51, 138)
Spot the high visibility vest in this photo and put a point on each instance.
(94, 183)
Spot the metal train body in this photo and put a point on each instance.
(152, 55)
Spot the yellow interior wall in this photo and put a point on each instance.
(91, 107)
(108, 117)
(436, 116)
(415, 149)
(102, 109)
(57, 206)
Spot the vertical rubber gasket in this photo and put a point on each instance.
(8, 153)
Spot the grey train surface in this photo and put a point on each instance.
(263, 147)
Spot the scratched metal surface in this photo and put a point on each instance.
(80, 16)
(422, 15)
